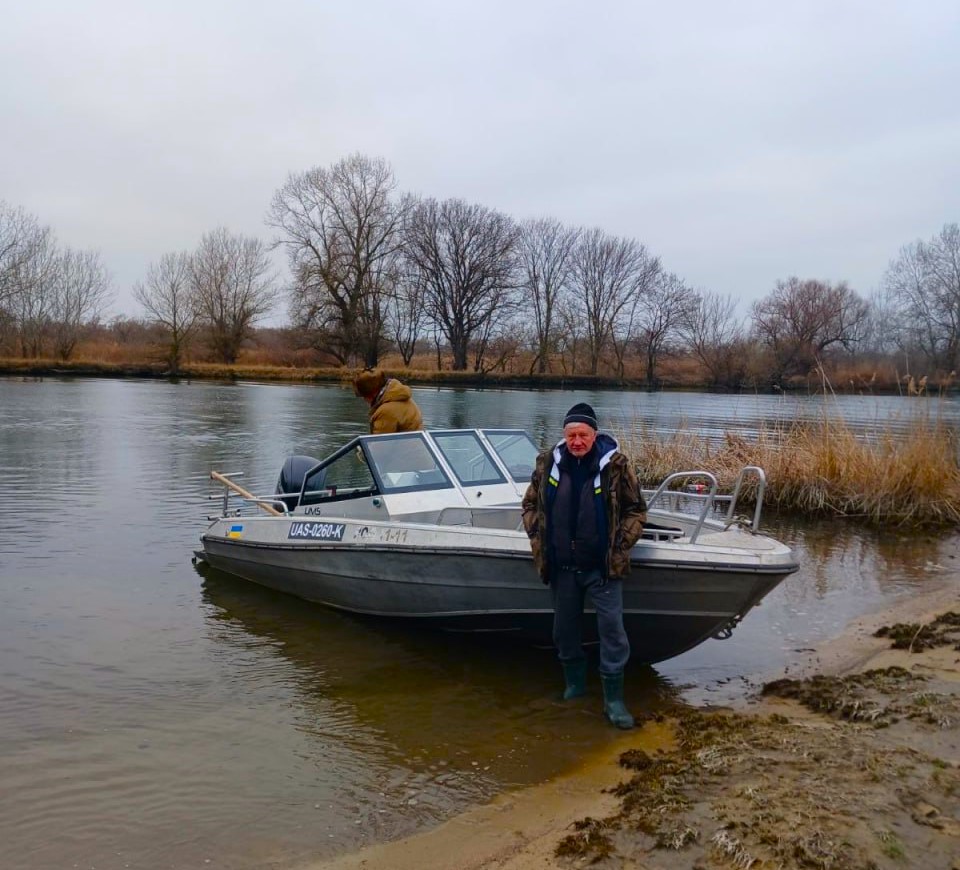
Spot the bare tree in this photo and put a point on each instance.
(341, 231)
(81, 290)
(234, 287)
(799, 320)
(571, 333)
(609, 274)
(465, 256)
(46, 293)
(715, 336)
(21, 236)
(170, 299)
(924, 285)
(545, 260)
(885, 327)
(407, 312)
(498, 346)
(659, 319)
(30, 286)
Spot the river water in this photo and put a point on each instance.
(153, 716)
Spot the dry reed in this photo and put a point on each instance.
(823, 467)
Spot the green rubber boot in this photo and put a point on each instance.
(613, 706)
(575, 675)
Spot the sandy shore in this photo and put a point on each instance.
(850, 760)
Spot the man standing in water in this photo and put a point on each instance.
(583, 511)
(392, 408)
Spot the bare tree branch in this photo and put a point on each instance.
(81, 290)
(715, 336)
(465, 255)
(545, 260)
(609, 274)
(799, 320)
(169, 297)
(341, 232)
(924, 285)
(234, 287)
(660, 316)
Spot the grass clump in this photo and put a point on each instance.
(590, 841)
(916, 637)
(853, 698)
(891, 846)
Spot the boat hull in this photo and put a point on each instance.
(669, 605)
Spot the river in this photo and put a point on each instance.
(152, 716)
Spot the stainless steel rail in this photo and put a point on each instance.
(710, 497)
(761, 489)
(707, 499)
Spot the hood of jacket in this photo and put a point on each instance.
(606, 445)
(393, 391)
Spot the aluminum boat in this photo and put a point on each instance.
(425, 527)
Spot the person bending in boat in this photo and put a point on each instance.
(583, 511)
(392, 408)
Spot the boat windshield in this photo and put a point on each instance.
(515, 449)
(469, 459)
(404, 463)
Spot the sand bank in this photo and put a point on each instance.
(850, 760)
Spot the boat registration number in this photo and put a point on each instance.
(317, 531)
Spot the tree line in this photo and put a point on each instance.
(47, 291)
(376, 271)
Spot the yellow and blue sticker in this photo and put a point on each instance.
(235, 532)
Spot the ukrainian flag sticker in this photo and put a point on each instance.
(235, 532)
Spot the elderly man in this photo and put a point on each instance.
(583, 511)
(392, 408)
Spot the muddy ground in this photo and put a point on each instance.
(852, 761)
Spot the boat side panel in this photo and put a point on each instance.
(666, 611)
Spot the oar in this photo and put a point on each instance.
(239, 490)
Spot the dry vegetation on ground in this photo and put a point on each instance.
(824, 467)
(870, 782)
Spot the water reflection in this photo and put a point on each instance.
(423, 693)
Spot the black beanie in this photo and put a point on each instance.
(581, 413)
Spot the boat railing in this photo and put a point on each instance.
(761, 489)
(706, 493)
(671, 496)
(232, 489)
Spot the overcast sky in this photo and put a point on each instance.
(741, 142)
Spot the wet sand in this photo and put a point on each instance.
(851, 759)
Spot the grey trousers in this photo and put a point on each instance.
(569, 589)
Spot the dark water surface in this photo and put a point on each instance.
(151, 716)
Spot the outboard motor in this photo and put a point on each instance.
(291, 477)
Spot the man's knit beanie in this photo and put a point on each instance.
(581, 413)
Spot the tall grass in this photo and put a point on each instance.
(907, 478)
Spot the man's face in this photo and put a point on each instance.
(579, 438)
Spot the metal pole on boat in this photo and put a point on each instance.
(239, 490)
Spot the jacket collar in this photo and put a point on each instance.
(606, 446)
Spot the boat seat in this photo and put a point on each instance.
(455, 516)
(656, 532)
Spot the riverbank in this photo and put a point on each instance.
(848, 760)
(293, 374)
(431, 377)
